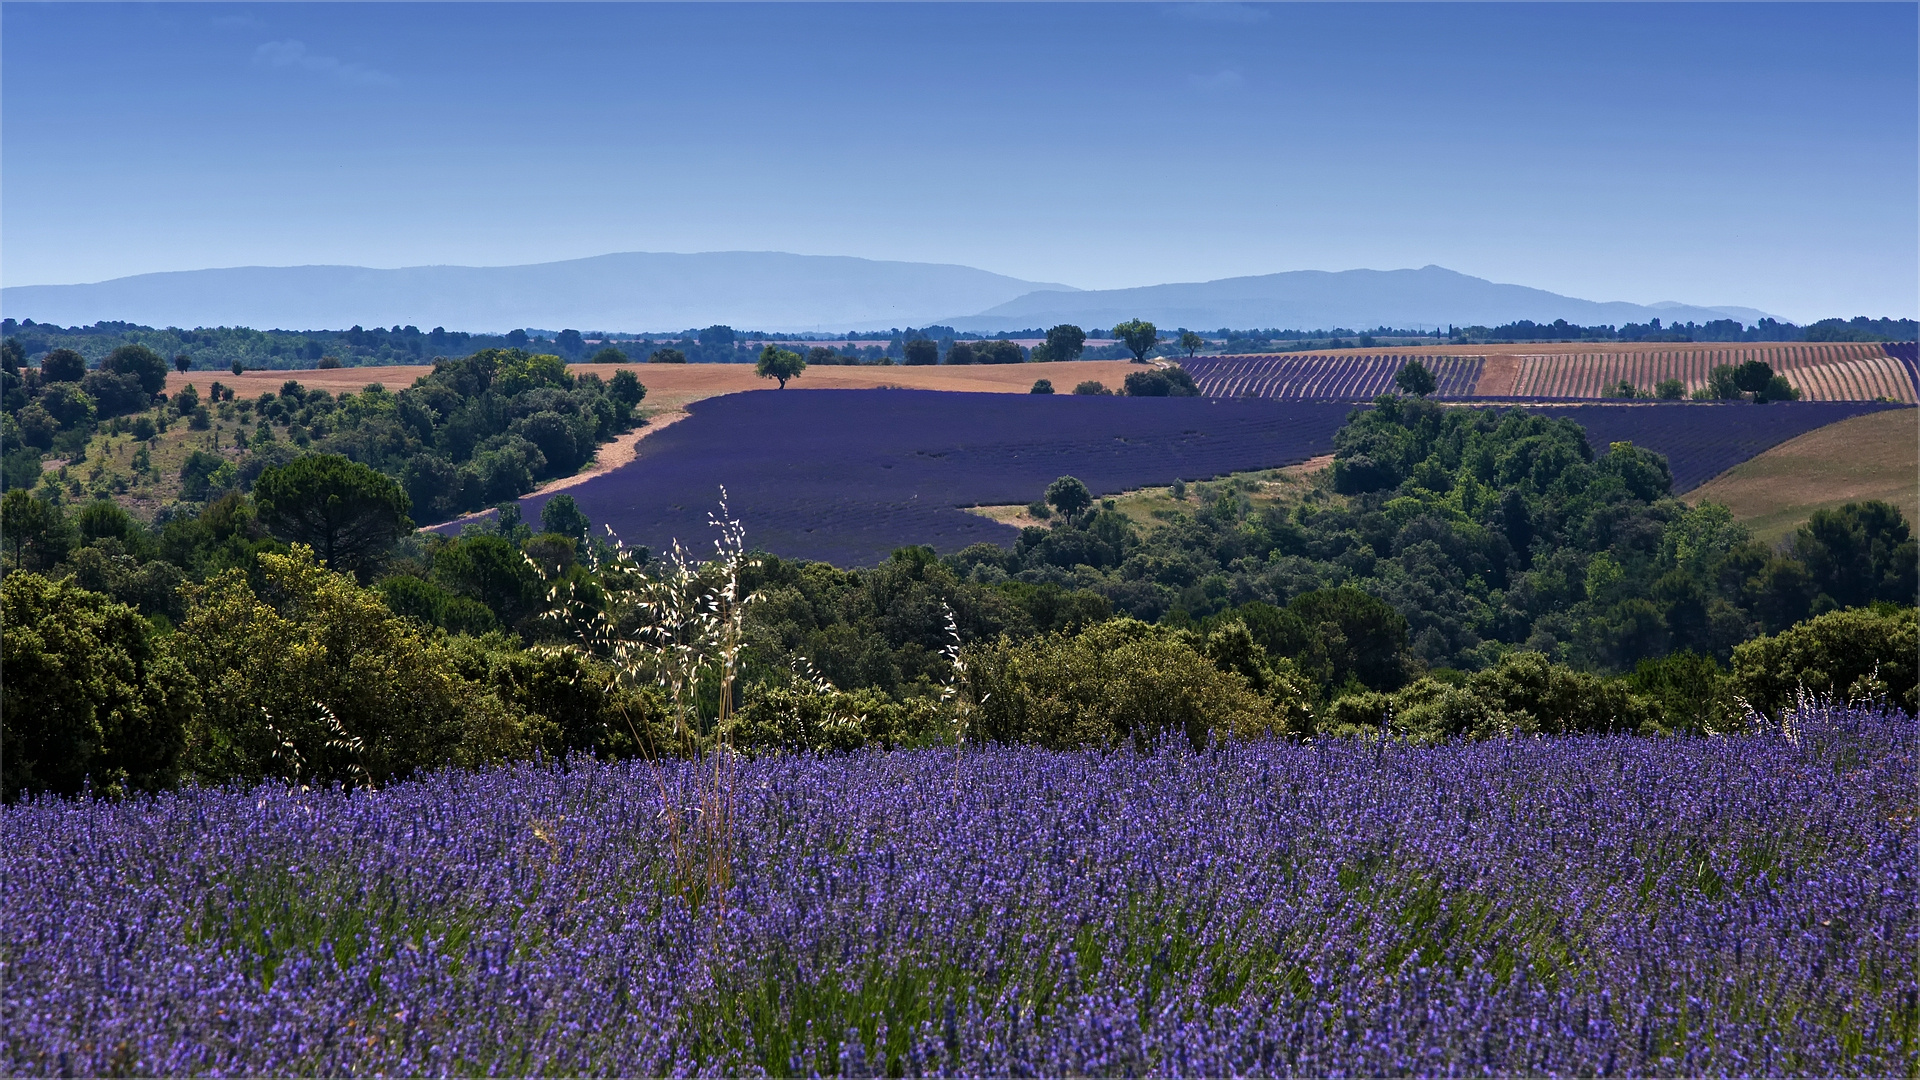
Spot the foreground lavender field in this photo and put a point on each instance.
(1588, 906)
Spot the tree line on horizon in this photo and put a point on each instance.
(220, 348)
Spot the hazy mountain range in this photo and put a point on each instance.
(651, 292)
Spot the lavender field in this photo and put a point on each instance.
(1593, 906)
(847, 476)
(1320, 377)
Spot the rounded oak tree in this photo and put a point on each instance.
(781, 364)
(1139, 336)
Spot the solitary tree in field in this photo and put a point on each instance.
(780, 364)
(1191, 342)
(1069, 496)
(181, 362)
(1415, 379)
(609, 355)
(345, 511)
(1066, 342)
(1753, 376)
(1139, 336)
(1042, 386)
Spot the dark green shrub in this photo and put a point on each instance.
(1116, 682)
(1853, 654)
(88, 694)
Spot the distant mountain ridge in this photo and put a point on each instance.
(631, 291)
(1318, 300)
(653, 292)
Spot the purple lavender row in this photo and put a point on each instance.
(1600, 906)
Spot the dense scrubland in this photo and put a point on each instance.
(1474, 571)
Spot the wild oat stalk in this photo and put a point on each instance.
(682, 628)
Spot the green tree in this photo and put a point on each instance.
(1091, 386)
(1848, 655)
(1753, 376)
(1139, 336)
(1042, 386)
(1065, 342)
(609, 355)
(1723, 384)
(1776, 389)
(667, 355)
(345, 511)
(920, 352)
(1192, 342)
(491, 571)
(1414, 378)
(1114, 683)
(63, 365)
(562, 515)
(1069, 496)
(1162, 382)
(1670, 390)
(317, 667)
(182, 363)
(140, 362)
(88, 694)
(36, 531)
(1857, 554)
(782, 364)
(625, 388)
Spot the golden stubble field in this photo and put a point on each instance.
(673, 386)
(1876, 456)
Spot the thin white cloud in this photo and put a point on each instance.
(1225, 79)
(294, 55)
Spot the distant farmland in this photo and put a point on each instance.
(1320, 376)
(1836, 371)
(846, 476)
(1844, 371)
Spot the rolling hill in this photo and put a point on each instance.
(634, 291)
(1317, 299)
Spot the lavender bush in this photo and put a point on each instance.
(1589, 906)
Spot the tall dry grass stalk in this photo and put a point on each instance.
(681, 627)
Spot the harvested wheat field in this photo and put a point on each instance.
(672, 386)
(1876, 456)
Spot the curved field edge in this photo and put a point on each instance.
(1876, 456)
(847, 477)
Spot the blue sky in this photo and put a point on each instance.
(1762, 155)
